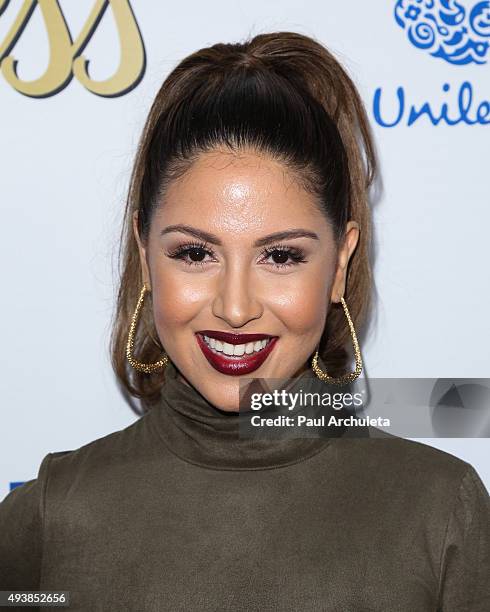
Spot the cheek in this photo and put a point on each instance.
(301, 302)
(177, 298)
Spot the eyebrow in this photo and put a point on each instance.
(213, 239)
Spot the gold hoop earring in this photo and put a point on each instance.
(350, 376)
(148, 368)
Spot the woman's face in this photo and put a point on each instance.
(215, 262)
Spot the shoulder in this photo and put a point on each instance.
(429, 487)
(415, 453)
(68, 484)
(103, 457)
(415, 466)
(97, 474)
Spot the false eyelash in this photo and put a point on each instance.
(294, 253)
(297, 255)
(181, 252)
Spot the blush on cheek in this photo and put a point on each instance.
(302, 309)
(170, 313)
(176, 304)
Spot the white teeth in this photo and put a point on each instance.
(228, 349)
(235, 349)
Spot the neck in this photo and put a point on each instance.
(200, 433)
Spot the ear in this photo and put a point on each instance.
(345, 251)
(142, 252)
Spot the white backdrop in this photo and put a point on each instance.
(65, 165)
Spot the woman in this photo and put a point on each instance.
(246, 252)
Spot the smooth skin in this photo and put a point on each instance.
(235, 286)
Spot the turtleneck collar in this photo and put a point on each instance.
(196, 431)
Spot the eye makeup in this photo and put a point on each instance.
(194, 253)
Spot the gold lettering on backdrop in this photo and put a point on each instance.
(65, 55)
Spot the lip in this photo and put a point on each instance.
(233, 338)
(236, 366)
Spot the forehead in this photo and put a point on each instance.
(239, 192)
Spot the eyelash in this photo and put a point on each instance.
(295, 254)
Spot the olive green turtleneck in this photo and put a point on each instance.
(177, 512)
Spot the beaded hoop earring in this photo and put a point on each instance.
(148, 368)
(350, 376)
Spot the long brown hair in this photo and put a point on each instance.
(281, 93)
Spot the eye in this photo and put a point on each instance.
(284, 256)
(192, 254)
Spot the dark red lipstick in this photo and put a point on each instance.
(235, 365)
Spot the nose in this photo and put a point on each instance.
(235, 301)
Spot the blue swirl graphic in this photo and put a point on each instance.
(445, 29)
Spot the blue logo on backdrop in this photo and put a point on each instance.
(14, 485)
(446, 30)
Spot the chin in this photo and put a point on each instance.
(229, 409)
(227, 400)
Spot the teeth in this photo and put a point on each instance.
(228, 348)
(235, 349)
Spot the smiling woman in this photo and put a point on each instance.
(246, 250)
(264, 263)
(254, 142)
